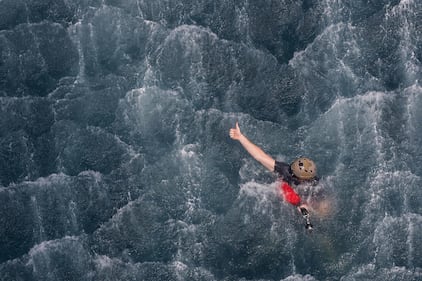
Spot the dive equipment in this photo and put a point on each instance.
(305, 215)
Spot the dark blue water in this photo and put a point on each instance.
(115, 159)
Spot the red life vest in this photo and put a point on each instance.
(289, 194)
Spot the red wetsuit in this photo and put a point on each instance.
(289, 194)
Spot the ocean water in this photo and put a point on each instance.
(115, 159)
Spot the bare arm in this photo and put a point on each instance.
(256, 152)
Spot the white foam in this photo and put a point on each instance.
(188, 151)
(44, 182)
(258, 190)
(404, 15)
(103, 262)
(393, 227)
(387, 273)
(44, 246)
(299, 277)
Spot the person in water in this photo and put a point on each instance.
(302, 170)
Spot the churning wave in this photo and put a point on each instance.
(115, 160)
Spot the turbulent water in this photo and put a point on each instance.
(115, 159)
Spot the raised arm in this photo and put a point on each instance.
(256, 152)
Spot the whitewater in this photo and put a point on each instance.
(115, 157)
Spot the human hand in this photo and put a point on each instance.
(235, 132)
